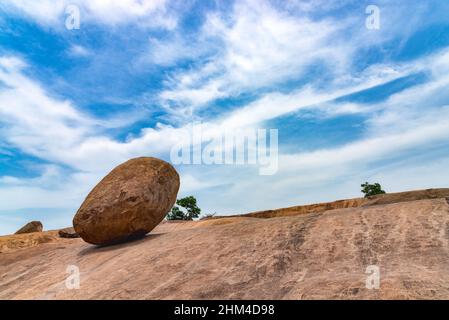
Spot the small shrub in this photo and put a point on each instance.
(371, 189)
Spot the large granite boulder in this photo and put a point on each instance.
(129, 202)
(33, 226)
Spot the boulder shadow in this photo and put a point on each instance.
(119, 244)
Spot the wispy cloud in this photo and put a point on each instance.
(79, 51)
(260, 47)
(151, 13)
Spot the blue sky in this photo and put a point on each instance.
(351, 104)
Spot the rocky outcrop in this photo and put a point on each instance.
(350, 203)
(68, 233)
(26, 240)
(311, 208)
(33, 226)
(407, 196)
(129, 202)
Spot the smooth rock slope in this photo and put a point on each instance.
(307, 256)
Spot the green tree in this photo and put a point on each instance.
(175, 214)
(191, 209)
(371, 189)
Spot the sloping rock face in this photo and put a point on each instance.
(33, 226)
(129, 202)
(350, 203)
(321, 255)
(407, 196)
(305, 209)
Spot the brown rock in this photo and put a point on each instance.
(68, 233)
(318, 255)
(129, 202)
(321, 255)
(33, 226)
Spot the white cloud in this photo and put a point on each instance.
(33, 120)
(79, 51)
(430, 130)
(151, 13)
(260, 47)
(57, 132)
(275, 105)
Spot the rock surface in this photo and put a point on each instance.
(350, 203)
(318, 255)
(129, 202)
(26, 240)
(33, 226)
(68, 233)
